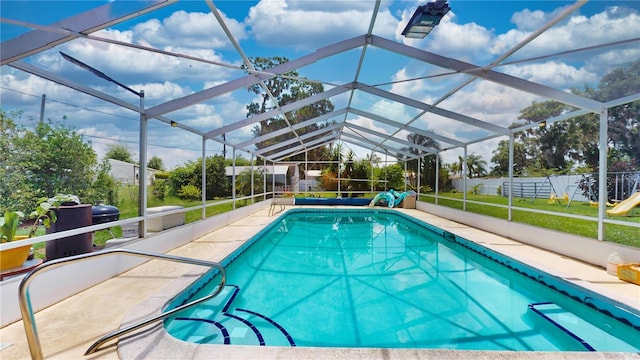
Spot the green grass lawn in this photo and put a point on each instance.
(614, 233)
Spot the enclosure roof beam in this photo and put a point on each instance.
(297, 126)
(28, 68)
(387, 137)
(433, 109)
(251, 79)
(487, 74)
(409, 128)
(301, 151)
(294, 140)
(622, 100)
(368, 144)
(99, 18)
(276, 112)
(287, 152)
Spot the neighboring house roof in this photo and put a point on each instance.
(314, 173)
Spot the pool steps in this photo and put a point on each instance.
(585, 335)
(553, 314)
(219, 323)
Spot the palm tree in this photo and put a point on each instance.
(476, 166)
(428, 166)
(348, 167)
(243, 182)
(374, 159)
(336, 158)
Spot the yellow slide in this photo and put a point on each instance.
(624, 207)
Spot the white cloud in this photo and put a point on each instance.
(306, 25)
(198, 30)
(578, 31)
(554, 74)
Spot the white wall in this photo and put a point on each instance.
(128, 173)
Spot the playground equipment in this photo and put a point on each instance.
(392, 198)
(625, 206)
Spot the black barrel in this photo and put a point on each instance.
(70, 217)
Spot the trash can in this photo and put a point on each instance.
(70, 217)
(102, 213)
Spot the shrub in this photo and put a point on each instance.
(159, 188)
(189, 192)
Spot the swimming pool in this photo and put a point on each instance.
(377, 278)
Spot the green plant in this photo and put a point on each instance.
(159, 188)
(189, 192)
(10, 222)
(475, 189)
(9, 225)
(44, 212)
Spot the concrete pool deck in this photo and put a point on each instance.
(69, 327)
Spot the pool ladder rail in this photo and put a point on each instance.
(277, 201)
(26, 309)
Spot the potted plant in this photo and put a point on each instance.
(9, 224)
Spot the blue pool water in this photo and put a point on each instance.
(377, 278)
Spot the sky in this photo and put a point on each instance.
(478, 32)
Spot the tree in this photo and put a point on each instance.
(551, 143)
(394, 175)
(51, 159)
(287, 89)
(501, 159)
(243, 182)
(57, 159)
(189, 176)
(119, 152)
(562, 145)
(624, 120)
(426, 161)
(476, 166)
(155, 163)
(16, 192)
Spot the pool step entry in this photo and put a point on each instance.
(571, 330)
(218, 323)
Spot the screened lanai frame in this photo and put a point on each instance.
(81, 26)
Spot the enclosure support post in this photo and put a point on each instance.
(464, 180)
(419, 174)
(142, 171)
(405, 176)
(264, 179)
(204, 178)
(602, 172)
(252, 183)
(233, 179)
(386, 152)
(273, 179)
(306, 171)
(510, 210)
(437, 175)
(371, 163)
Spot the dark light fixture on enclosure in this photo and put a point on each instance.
(425, 18)
(99, 73)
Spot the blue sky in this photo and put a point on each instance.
(474, 31)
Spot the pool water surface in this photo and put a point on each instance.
(376, 278)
